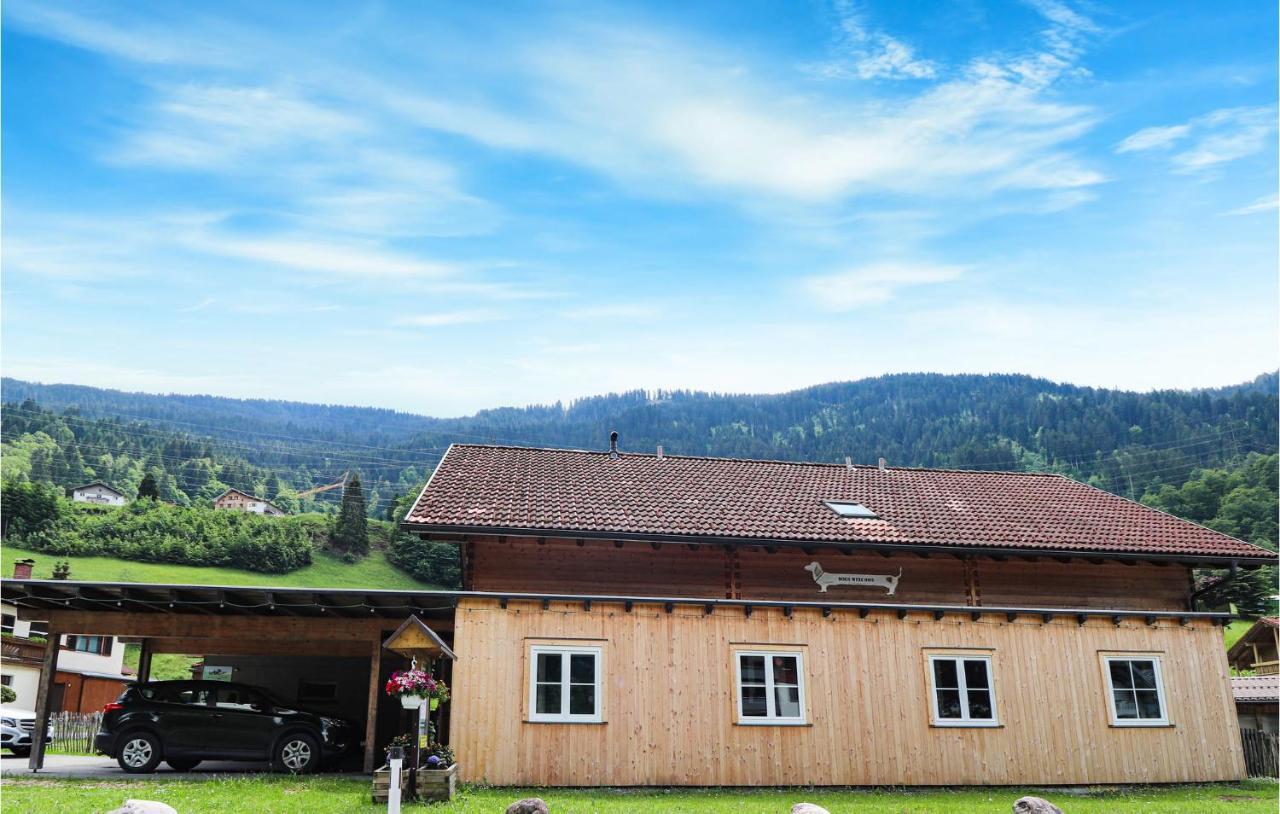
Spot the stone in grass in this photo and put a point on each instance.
(1035, 805)
(529, 805)
(808, 808)
(144, 807)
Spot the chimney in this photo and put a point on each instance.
(613, 445)
(884, 467)
(659, 452)
(22, 569)
(848, 463)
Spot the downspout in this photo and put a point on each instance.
(1232, 575)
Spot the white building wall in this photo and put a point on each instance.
(99, 495)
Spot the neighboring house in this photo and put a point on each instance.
(651, 620)
(99, 492)
(235, 500)
(1257, 697)
(90, 669)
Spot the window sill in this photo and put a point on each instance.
(964, 725)
(570, 723)
(772, 723)
(1152, 725)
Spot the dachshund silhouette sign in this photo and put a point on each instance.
(825, 579)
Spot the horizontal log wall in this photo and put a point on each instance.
(752, 572)
(670, 716)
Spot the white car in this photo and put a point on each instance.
(16, 728)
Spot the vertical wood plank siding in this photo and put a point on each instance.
(669, 704)
(600, 567)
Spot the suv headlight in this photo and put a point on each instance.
(10, 722)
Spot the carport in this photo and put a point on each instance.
(269, 627)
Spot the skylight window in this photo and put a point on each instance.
(845, 509)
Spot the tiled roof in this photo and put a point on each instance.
(1256, 688)
(554, 490)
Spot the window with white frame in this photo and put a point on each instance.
(1136, 690)
(770, 687)
(564, 684)
(963, 691)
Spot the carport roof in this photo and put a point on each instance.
(225, 600)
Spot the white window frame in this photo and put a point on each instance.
(565, 717)
(1116, 720)
(963, 688)
(771, 713)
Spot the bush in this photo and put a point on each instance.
(151, 531)
(436, 563)
(7, 695)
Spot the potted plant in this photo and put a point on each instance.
(415, 686)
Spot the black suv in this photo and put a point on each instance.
(185, 722)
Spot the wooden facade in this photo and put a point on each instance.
(562, 566)
(669, 699)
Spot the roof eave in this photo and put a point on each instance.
(1263, 558)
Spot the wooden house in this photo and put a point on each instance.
(665, 620)
(1257, 692)
(236, 500)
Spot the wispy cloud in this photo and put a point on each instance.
(1264, 204)
(1212, 139)
(612, 311)
(874, 284)
(869, 54)
(199, 306)
(445, 319)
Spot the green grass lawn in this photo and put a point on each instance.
(1232, 632)
(340, 795)
(325, 571)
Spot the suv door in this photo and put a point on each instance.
(183, 714)
(243, 722)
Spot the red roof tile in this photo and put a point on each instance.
(1256, 688)
(554, 490)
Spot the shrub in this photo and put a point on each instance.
(7, 695)
(436, 563)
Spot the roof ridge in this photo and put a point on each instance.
(775, 461)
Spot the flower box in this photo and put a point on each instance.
(434, 785)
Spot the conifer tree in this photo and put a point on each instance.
(351, 530)
(149, 487)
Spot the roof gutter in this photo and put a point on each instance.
(1235, 561)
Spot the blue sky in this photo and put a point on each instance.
(444, 207)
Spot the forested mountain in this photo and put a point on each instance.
(1126, 442)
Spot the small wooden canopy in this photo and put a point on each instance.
(415, 640)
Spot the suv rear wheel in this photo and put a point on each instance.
(298, 753)
(139, 753)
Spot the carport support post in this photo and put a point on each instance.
(44, 698)
(371, 719)
(144, 661)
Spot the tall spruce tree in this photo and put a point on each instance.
(351, 530)
(149, 487)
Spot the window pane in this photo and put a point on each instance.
(944, 673)
(753, 703)
(1144, 674)
(549, 667)
(975, 674)
(785, 670)
(582, 668)
(949, 703)
(1126, 704)
(979, 704)
(1120, 677)
(549, 699)
(1148, 704)
(582, 699)
(752, 669)
(787, 701)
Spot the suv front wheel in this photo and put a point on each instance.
(298, 753)
(139, 753)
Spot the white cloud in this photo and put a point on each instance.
(874, 284)
(867, 54)
(306, 254)
(1151, 138)
(444, 319)
(1263, 204)
(1214, 138)
(613, 311)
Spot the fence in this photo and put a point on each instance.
(1261, 752)
(74, 731)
